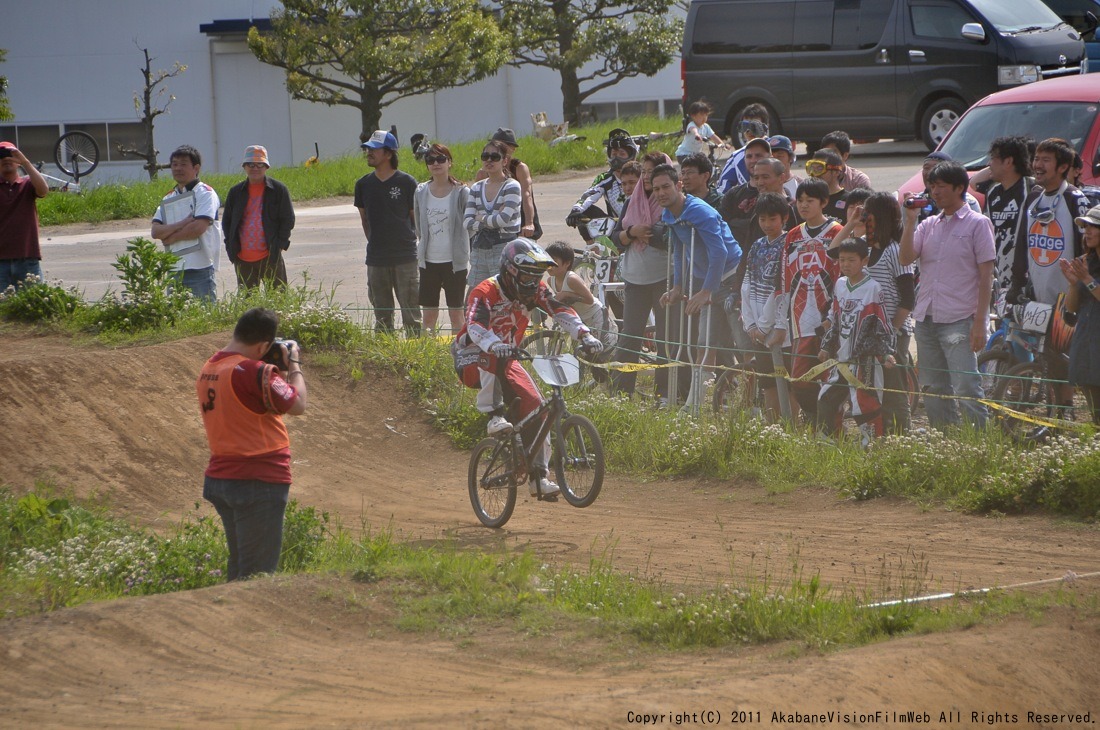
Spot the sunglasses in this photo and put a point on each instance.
(491, 156)
(817, 168)
(253, 165)
(437, 160)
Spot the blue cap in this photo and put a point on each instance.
(937, 155)
(380, 139)
(781, 142)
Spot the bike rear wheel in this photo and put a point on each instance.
(579, 461)
(735, 392)
(546, 342)
(992, 365)
(1027, 389)
(492, 488)
(76, 154)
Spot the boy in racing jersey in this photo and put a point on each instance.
(485, 349)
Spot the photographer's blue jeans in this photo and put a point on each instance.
(201, 283)
(252, 514)
(948, 367)
(14, 272)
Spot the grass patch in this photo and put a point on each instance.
(336, 176)
(56, 551)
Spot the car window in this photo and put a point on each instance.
(1076, 14)
(939, 21)
(1018, 15)
(756, 27)
(969, 140)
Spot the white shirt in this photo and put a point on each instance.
(438, 235)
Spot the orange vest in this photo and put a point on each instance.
(233, 429)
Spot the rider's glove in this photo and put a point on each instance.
(573, 219)
(503, 350)
(591, 345)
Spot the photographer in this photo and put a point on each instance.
(244, 390)
(20, 255)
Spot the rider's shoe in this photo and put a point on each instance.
(548, 489)
(498, 425)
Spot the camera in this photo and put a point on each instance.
(5, 152)
(658, 236)
(918, 201)
(274, 354)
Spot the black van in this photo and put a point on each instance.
(902, 69)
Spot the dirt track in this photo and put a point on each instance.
(298, 652)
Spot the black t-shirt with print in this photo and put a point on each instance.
(389, 204)
(1004, 207)
(837, 207)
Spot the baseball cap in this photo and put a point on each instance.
(381, 138)
(781, 142)
(1092, 218)
(760, 142)
(256, 153)
(505, 135)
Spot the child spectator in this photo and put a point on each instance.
(698, 132)
(806, 288)
(840, 143)
(859, 337)
(759, 286)
(568, 288)
(629, 177)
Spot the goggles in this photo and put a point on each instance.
(755, 127)
(436, 159)
(817, 168)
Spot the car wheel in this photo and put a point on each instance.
(938, 119)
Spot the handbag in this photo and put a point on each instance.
(487, 238)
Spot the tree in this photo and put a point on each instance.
(5, 109)
(624, 39)
(368, 54)
(146, 104)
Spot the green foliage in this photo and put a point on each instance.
(5, 107)
(607, 40)
(304, 532)
(369, 53)
(152, 293)
(36, 301)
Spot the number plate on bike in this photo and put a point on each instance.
(1036, 317)
(560, 370)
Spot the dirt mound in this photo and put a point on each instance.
(312, 651)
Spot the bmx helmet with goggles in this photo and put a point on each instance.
(620, 139)
(522, 265)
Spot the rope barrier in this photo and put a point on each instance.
(1070, 577)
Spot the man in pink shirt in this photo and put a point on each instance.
(955, 251)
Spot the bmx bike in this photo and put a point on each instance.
(499, 464)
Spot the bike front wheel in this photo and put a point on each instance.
(76, 154)
(492, 488)
(579, 461)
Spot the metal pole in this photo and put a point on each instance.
(781, 383)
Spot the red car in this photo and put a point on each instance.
(1066, 107)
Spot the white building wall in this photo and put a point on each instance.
(76, 61)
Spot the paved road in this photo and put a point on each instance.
(327, 244)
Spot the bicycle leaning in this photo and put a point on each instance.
(500, 463)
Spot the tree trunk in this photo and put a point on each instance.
(370, 111)
(570, 96)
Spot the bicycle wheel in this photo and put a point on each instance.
(734, 392)
(1025, 389)
(76, 154)
(992, 364)
(545, 342)
(578, 461)
(492, 489)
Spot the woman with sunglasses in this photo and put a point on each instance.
(492, 214)
(443, 243)
(1083, 298)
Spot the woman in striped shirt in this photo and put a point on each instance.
(492, 214)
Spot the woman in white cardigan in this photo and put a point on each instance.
(443, 243)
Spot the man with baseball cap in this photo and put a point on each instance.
(385, 202)
(257, 222)
(20, 255)
(783, 150)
